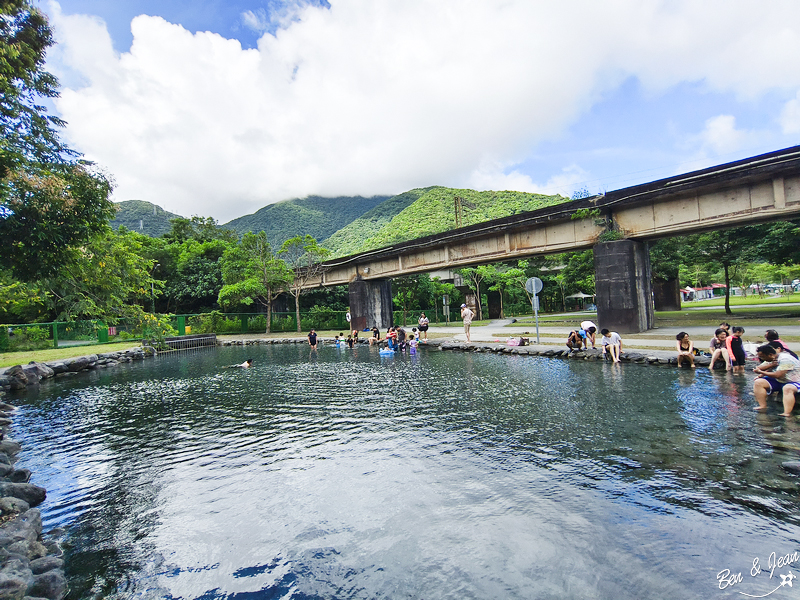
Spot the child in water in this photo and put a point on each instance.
(413, 342)
(737, 354)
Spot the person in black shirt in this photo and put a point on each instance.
(312, 339)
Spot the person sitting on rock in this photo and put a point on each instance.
(718, 349)
(784, 378)
(613, 342)
(685, 348)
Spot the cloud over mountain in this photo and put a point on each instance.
(370, 97)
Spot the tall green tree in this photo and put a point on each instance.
(412, 292)
(253, 274)
(107, 279)
(50, 203)
(304, 257)
(728, 248)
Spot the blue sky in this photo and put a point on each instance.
(218, 108)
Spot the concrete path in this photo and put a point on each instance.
(662, 338)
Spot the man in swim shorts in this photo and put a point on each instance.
(785, 377)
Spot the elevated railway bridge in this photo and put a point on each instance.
(757, 189)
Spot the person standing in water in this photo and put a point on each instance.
(466, 316)
(312, 339)
(423, 323)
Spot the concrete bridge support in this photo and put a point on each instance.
(622, 283)
(667, 295)
(371, 304)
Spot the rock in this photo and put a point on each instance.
(15, 579)
(58, 367)
(52, 584)
(5, 469)
(19, 476)
(793, 466)
(702, 361)
(4, 422)
(10, 505)
(10, 447)
(32, 494)
(29, 549)
(42, 369)
(45, 564)
(7, 407)
(17, 379)
(78, 363)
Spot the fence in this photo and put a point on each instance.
(38, 336)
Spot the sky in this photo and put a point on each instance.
(220, 107)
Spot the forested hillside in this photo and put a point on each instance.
(316, 216)
(351, 237)
(143, 217)
(433, 211)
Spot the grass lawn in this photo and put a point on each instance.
(744, 301)
(9, 359)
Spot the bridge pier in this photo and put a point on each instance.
(622, 284)
(371, 303)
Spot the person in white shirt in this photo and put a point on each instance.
(613, 342)
(590, 329)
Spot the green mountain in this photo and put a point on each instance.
(432, 212)
(144, 217)
(352, 236)
(316, 216)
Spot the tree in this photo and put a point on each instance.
(252, 273)
(412, 292)
(304, 256)
(727, 248)
(44, 213)
(28, 132)
(106, 279)
(49, 203)
(503, 279)
(474, 276)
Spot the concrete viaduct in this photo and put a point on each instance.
(758, 189)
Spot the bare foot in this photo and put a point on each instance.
(692, 366)
(759, 408)
(785, 415)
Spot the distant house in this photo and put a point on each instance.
(702, 293)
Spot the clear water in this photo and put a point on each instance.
(342, 474)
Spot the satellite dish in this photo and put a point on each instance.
(534, 285)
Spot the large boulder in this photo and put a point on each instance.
(32, 494)
(51, 584)
(9, 447)
(80, 363)
(58, 367)
(17, 379)
(15, 578)
(42, 369)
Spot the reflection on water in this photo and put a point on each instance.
(342, 474)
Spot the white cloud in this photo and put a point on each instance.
(494, 176)
(377, 96)
(790, 116)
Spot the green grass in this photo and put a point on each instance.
(9, 359)
(743, 301)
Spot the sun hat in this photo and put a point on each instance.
(463, 306)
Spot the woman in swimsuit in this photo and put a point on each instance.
(685, 349)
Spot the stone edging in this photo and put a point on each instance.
(31, 564)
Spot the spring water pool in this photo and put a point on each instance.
(343, 474)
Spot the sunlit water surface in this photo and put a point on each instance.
(342, 474)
